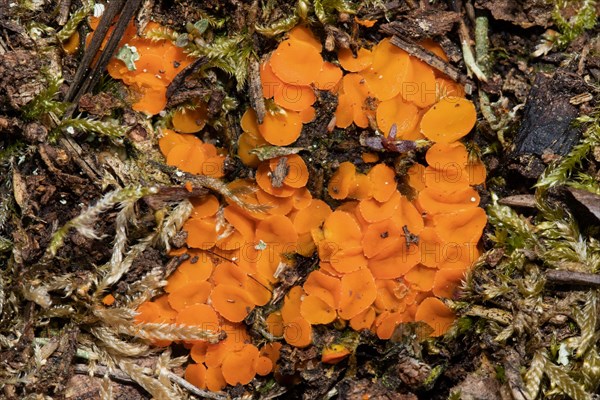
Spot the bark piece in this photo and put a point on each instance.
(525, 14)
(548, 116)
(423, 24)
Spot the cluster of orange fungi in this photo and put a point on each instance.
(384, 259)
(234, 256)
(156, 64)
(382, 87)
(214, 297)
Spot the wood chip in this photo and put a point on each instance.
(422, 24)
(519, 200)
(281, 172)
(589, 200)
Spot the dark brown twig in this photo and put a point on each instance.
(88, 56)
(573, 278)
(179, 79)
(87, 77)
(127, 13)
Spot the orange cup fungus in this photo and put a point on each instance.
(385, 84)
(190, 154)
(384, 259)
(147, 66)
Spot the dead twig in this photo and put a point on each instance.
(195, 390)
(465, 41)
(430, 59)
(83, 70)
(519, 200)
(87, 77)
(573, 278)
(101, 371)
(255, 90)
(63, 12)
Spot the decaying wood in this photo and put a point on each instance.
(392, 6)
(590, 201)
(178, 82)
(144, 15)
(547, 120)
(519, 200)
(63, 12)
(87, 165)
(525, 14)
(337, 37)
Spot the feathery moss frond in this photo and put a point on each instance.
(162, 33)
(173, 223)
(590, 369)
(584, 181)
(534, 375)
(155, 331)
(279, 27)
(325, 10)
(84, 222)
(586, 319)
(145, 288)
(564, 383)
(76, 18)
(512, 229)
(230, 54)
(152, 385)
(45, 102)
(573, 27)
(117, 345)
(5, 244)
(112, 130)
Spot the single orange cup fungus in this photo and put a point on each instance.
(333, 354)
